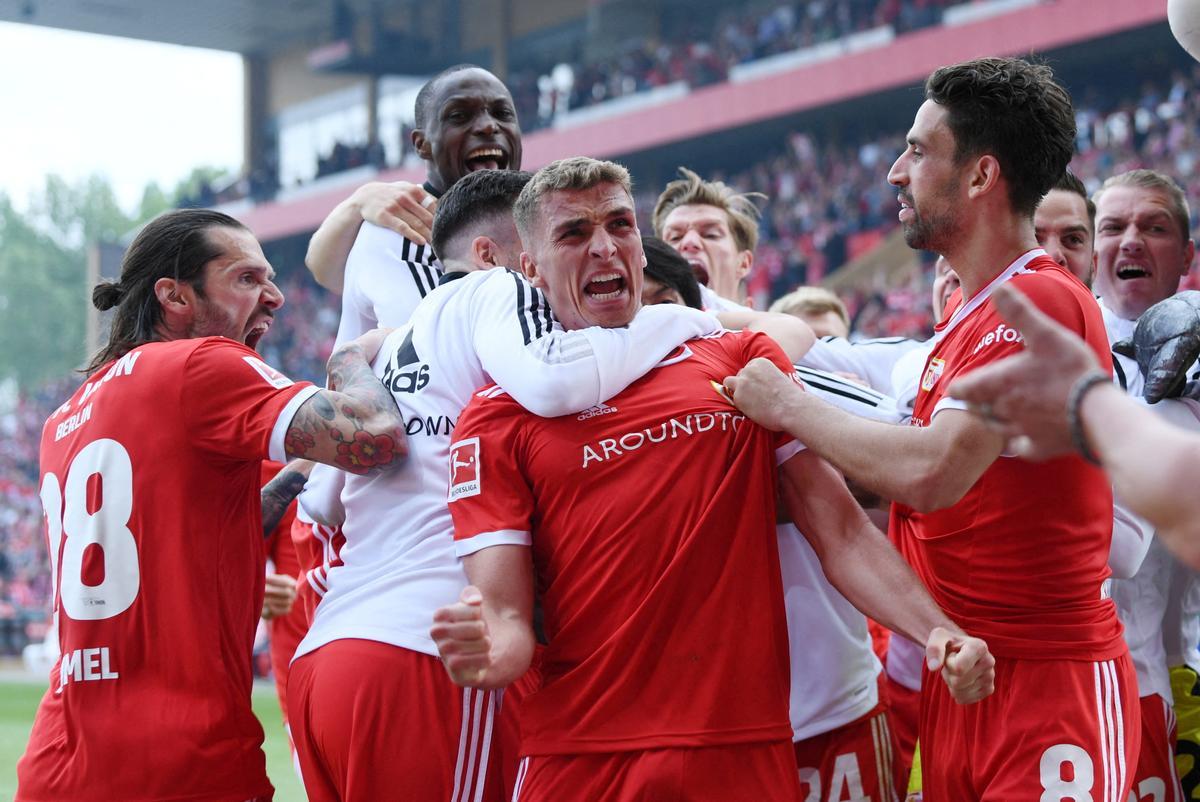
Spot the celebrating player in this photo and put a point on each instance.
(651, 522)
(150, 485)
(398, 564)
(1014, 551)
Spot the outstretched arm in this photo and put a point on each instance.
(926, 468)
(791, 333)
(486, 638)
(860, 562)
(403, 207)
(355, 424)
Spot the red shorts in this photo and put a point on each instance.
(1156, 779)
(904, 711)
(1053, 731)
(373, 721)
(733, 773)
(318, 547)
(856, 761)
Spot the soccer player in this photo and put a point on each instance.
(651, 525)
(1013, 550)
(465, 121)
(150, 486)
(398, 563)
(715, 229)
(1065, 226)
(819, 308)
(843, 739)
(668, 276)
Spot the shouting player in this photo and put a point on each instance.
(150, 485)
(398, 563)
(648, 522)
(1014, 551)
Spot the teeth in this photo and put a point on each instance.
(484, 153)
(604, 277)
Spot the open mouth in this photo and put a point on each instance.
(605, 287)
(1126, 272)
(257, 332)
(699, 271)
(490, 158)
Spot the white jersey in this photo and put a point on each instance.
(1181, 621)
(491, 326)
(1142, 600)
(387, 275)
(891, 365)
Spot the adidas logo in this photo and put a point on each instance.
(596, 411)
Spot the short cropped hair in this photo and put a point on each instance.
(739, 207)
(1071, 183)
(425, 94)
(811, 301)
(574, 173)
(665, 265)
(474, 199)
(1152, 179)
(1015, 111)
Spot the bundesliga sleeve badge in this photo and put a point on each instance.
(464, 469)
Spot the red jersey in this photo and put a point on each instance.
(653, 537)
(1020, 560)
(150, 486)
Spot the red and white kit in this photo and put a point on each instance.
(1020, 561)
(150, 484)
(397, 565)
(644, 589)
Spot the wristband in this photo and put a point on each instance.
(1074, 421)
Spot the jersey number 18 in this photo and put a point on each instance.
(101, 521)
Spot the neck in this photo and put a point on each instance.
(459, 266)
(986, 249)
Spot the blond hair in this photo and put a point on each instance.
(690, 190)
(574, 173)
(811, 301)
(1152, 179)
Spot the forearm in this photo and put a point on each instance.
(791, 333)
(873, 577)
(355, 425)
(1152, 463)
(896, 462)
(283, 488)
(331, 243)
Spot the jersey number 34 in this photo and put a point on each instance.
(93, 512)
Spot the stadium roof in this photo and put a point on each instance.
(242, 26)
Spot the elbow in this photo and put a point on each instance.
(933, 488)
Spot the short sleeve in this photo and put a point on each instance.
(1055, 298)
(490, 500)
(756, 345)
(235, 405)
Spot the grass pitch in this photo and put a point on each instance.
(19, 700)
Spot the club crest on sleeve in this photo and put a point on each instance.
(464, 468)
(272, 376)
(932, 372)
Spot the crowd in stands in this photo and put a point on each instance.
(700, 53)
(823, 196)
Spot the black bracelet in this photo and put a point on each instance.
(1074, 422)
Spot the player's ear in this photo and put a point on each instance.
(484, 252)
(984, 176)
(745, 262)
(529, 268)
(421, 143)
(169, 294)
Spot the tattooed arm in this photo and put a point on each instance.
(355, 424)
(278, 493)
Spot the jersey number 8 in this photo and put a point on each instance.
(106, 527)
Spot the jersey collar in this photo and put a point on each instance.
(981, 297)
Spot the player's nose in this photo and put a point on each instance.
(272, 296)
